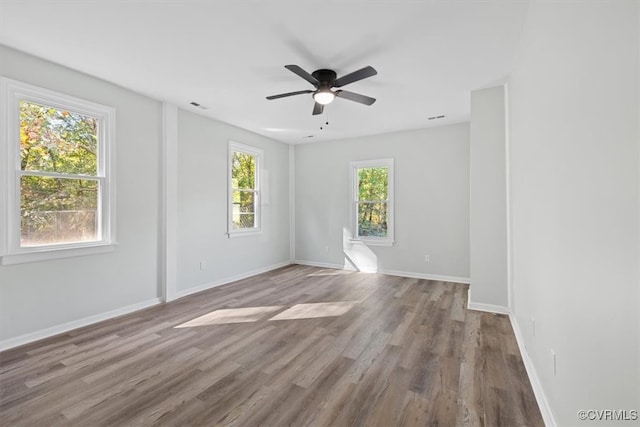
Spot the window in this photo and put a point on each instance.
(244, 189)
(372, 201)
(58, 185)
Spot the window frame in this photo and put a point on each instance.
(371, 240)
(11, 251)
(236, 147)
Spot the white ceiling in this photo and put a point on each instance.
(229, 55)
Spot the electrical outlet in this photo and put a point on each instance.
(555, 362)
(203, 265)
(427, 258)
(326, 249)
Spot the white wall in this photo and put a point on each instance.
(431, 201)
(38, 296)
(488, 218)
(574, 146)
(202, 205)
(42, 298)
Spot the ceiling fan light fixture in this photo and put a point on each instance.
(324, 96)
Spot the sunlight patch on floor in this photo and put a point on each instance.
(230, 315)
(310, 311)
(331, 273)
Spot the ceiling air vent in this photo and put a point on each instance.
(195, 104)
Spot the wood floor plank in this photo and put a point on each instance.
(364, 349)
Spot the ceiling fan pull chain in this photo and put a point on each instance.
(326, 122)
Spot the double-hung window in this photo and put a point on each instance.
(372, 201)
(57, 184)
(244, 189)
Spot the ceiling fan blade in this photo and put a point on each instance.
(362, 73)
(302, 73)
(283, 95)
(318, 109)
(366, 100)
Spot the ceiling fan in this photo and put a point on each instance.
(325, 80)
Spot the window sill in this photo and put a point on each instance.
(56, 253)
(368, 242)
(247, 233)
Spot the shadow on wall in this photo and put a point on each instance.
(357, 255)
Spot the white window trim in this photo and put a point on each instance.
(258, 153)
(372, 241)
(11, 93)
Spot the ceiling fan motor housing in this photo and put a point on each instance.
(325, 78)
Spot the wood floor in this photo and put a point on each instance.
(296, 346)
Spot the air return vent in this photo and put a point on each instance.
(195, 104)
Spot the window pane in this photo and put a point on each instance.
(243, 209)
(244, 221)
(55, 210)
(53, 140)
(243, 171)
(372, 219)
(373, 183)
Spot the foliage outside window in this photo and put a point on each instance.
(244, 191)
(58, 176)
(373, 200)
(58, 186)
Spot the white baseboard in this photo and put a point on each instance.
(480, 306)
(226, 280)
(437, 277)
(541, 398)
(491, 308)
(323, 265)
(410, 274)
(75, 324)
